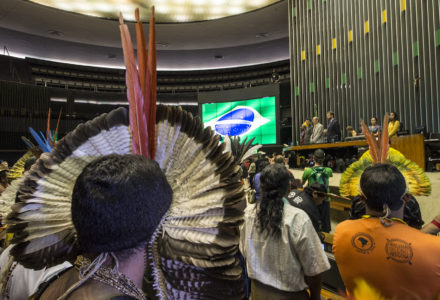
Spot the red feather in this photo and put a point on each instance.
(374, 151)
(153, 83)
(138, 122)
(55, 136)
(385, 145)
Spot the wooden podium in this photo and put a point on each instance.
(412, 146)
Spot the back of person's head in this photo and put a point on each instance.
(319, 156)
(349, 128)
(383, 184)
(118, 201)
(275, 182)
(261, 164)
(279, 159)
(29, 162)
(315, 187)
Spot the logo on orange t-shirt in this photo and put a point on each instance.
(363, 242)
(399, 251)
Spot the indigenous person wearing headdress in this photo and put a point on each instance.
(117, 203)
(396, 259)
(77, 203)
(381, 248)
(283, 253)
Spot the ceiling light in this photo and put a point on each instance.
(186, 10)
(199, 10)
(216, 10)
(235, 10)
(103, 7)
(56, 99)
(262, 35)
(55, 33)
(181, 18)
(162, 9)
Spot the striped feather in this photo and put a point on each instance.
(41, 222)
(201, 230)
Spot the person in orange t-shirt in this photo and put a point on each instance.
(399, 261)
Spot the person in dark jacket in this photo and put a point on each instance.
(333, 128)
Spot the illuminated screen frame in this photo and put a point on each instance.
(236, 96)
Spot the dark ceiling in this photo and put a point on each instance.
(261, 36)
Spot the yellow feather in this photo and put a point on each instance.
(364, 291)
(417, 181)
(18, 168)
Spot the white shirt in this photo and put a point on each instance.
(282, 262)
(23, 282)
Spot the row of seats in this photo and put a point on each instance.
(107, 87)
(51, 74)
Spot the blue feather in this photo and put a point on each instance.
(41, 142)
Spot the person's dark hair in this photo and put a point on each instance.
(261, 164)
(29, 162)
(308, 120)
(118, 201)
(319, 156)
(331, 113)
(383, 184)
(315, 187)
(396, 116)
(275, 181)
(279, 159)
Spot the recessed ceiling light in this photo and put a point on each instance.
(262, 35)
(55, 33)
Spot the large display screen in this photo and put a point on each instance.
(247, 118)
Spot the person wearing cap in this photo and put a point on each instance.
(4, 168)
(319, 173)
(399, 261)
(308, 200)
(117, 203)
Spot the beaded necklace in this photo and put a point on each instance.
(112, 278)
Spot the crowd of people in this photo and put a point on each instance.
(280, 240)
(386, 232)
(313, 132)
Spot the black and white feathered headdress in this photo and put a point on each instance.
(194, 250)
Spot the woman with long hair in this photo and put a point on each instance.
(283, 253)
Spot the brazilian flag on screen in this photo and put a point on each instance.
(247, 118)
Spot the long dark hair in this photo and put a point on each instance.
(275, 182)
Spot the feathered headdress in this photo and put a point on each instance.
(193, 251)
(45, 144)
(380, 152)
